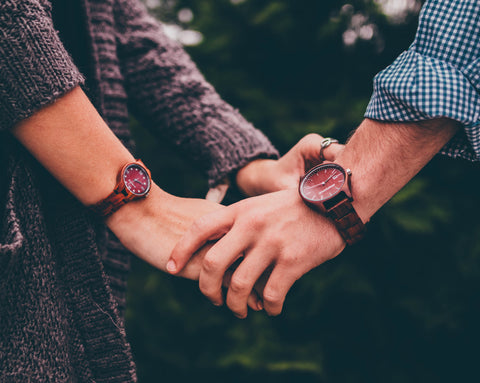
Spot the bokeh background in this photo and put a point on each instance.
(403, 305)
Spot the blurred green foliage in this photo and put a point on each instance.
(402, 306)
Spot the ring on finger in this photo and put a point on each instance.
(326, 142)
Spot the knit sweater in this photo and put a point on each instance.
(62, 279)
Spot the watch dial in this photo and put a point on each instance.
(136, 179)
(323, 182)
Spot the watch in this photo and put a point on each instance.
(326, 189)
(134, 182)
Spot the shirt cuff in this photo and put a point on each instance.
(418, 88)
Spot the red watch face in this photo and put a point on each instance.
(322, 182)
(136, 180)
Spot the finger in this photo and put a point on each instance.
(209, 227)
(254, 301)
(277, 287)
(331, 152)
(217, 261)
(262, 281)
(309, 147)
(244, 277)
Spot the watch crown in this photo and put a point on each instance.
(348, 171)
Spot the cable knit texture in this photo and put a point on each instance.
(62, 275)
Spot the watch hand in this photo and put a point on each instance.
(137, 181)
(328, 179)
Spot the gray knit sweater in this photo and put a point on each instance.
(62, 280)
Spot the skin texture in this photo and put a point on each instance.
(70, 139)
(279, 239)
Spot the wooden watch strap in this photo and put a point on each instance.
(110, 204)
(347, 221)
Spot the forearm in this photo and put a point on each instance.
(71, 140)
(384, 157)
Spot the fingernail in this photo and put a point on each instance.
(171, 266)
(259, 305)
(218, 304)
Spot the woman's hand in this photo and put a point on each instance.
(151, 227)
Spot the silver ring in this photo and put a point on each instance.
(326, 142)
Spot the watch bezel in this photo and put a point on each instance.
(317, 202)
(147, 174)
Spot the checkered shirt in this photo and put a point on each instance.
(438, 76)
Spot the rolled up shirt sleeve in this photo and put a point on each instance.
(438, 76)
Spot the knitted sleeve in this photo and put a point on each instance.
(35, 69)
(168, 93)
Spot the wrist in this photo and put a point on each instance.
(133, 183)
(326, 188)
(139, 222)
(384, 157)
(249, 178)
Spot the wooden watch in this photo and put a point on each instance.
(134, 182)
(326, 189)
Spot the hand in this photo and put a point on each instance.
(266, 176)
(151, 227)
(278, 237)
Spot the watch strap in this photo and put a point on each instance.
(346, 219)
(110, 204)
(120, 196)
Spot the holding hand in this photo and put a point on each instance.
(278, 237)
(275, 234)
(266, 176)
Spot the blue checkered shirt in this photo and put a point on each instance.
(438, 76)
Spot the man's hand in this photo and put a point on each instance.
(266, 176)
(277, 236)
(280, 238)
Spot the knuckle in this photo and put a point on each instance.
(311, 137)
(207, 289)
(272, 297)
(273, 242)
(256, 221)
(210, 264)
(239, 285)
(290, 260)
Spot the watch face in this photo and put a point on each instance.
(322, 182)
(136, 180)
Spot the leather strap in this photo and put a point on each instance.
(346, 219)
